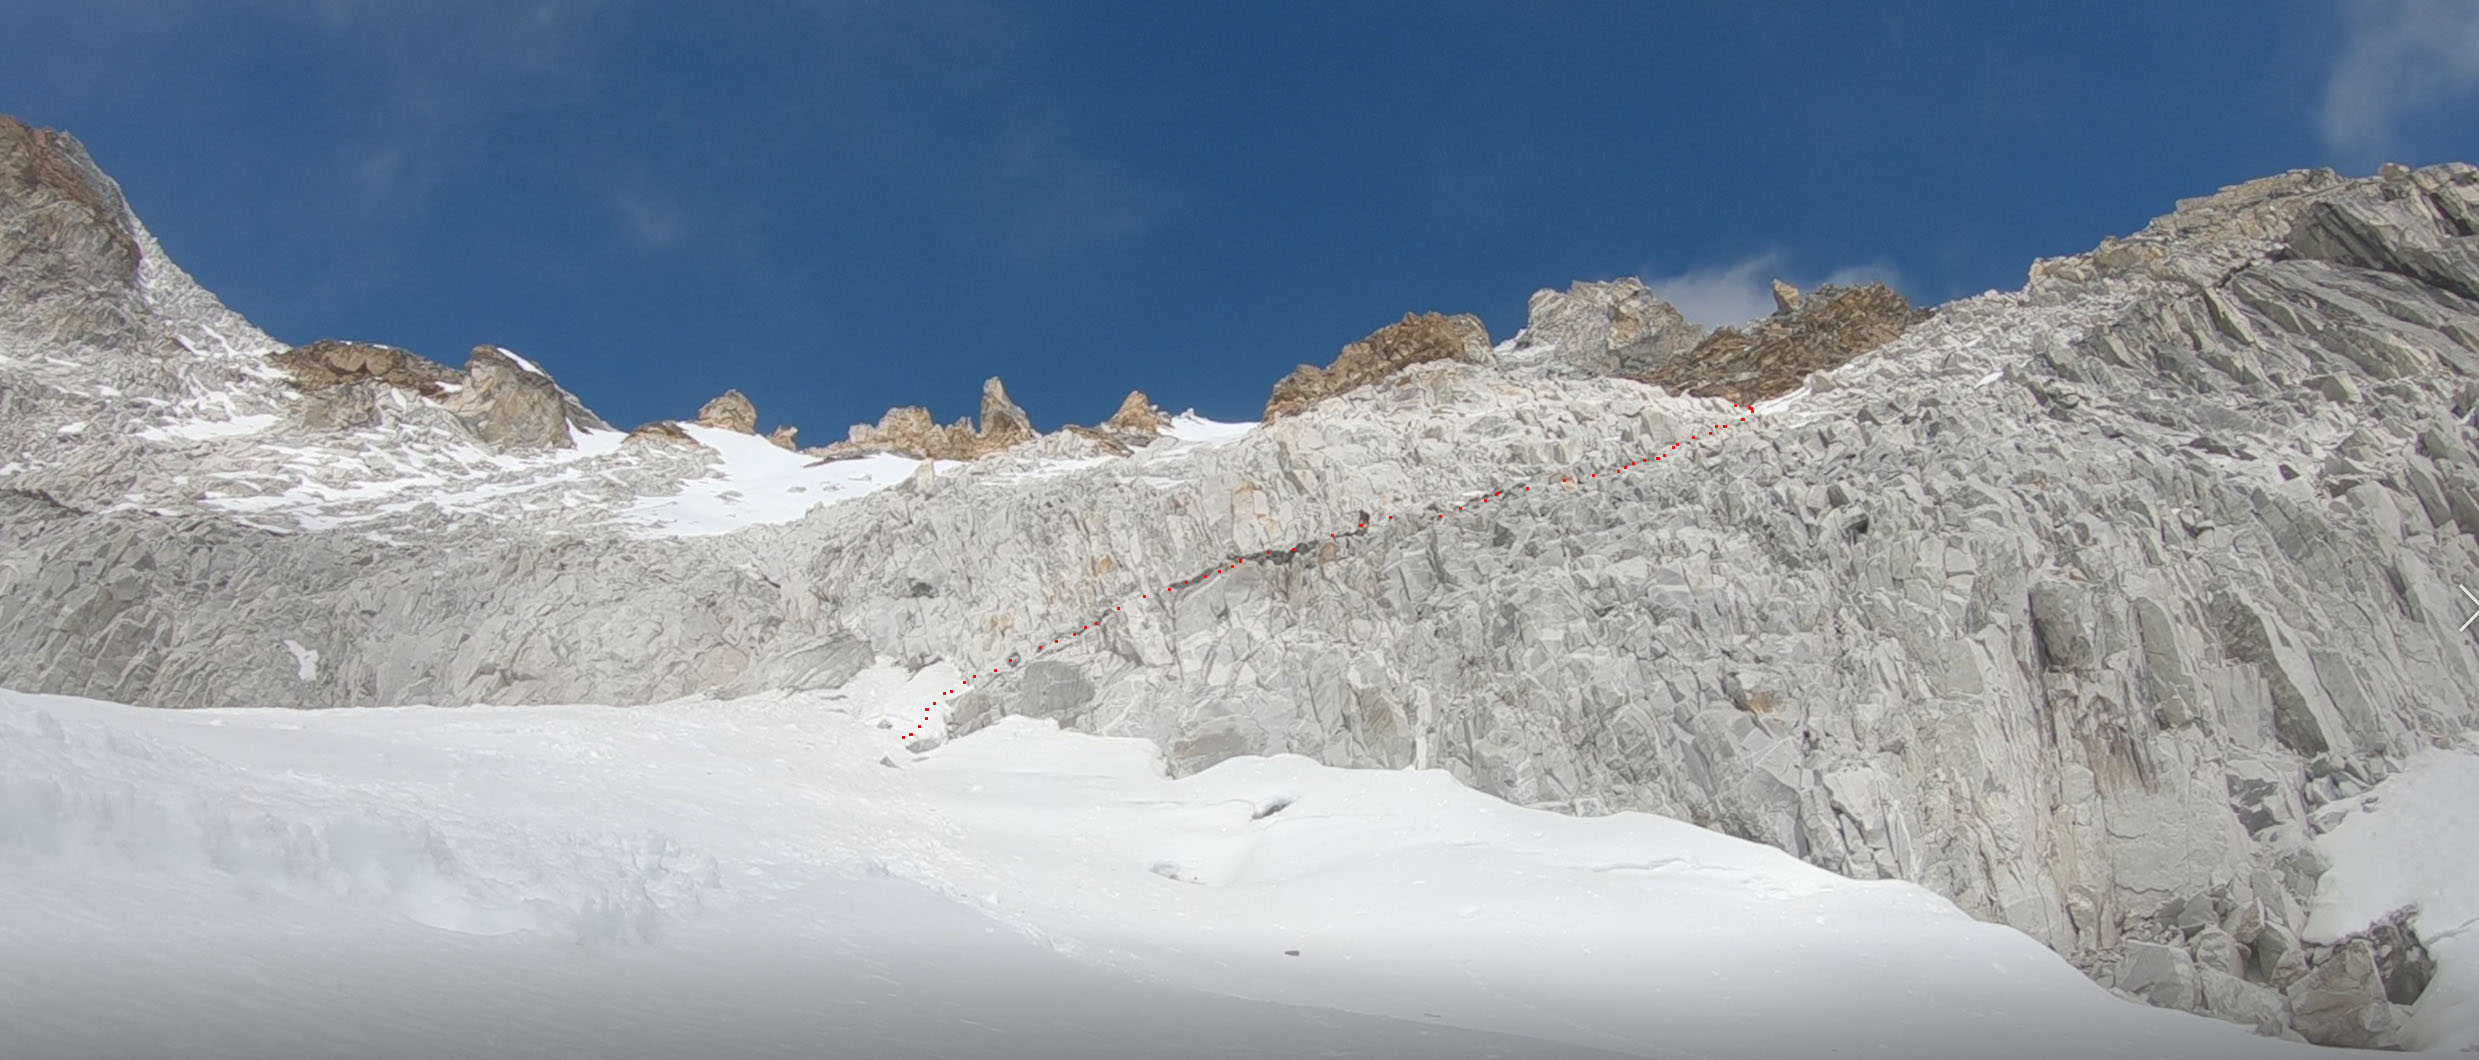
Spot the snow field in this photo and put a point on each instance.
(762, 876)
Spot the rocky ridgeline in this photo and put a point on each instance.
(909, 431)
(2088, 606)
(1818, 332)
(1614, 328)
(503, 402)
(1418, 339)
(1137, 423)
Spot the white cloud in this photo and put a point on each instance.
(1866, 273)
(1731, 294)
(2397, 56)
(1721, 295)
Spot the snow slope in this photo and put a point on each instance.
(2414, 840)
(777, 877)
(758, 482)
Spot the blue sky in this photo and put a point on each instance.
(841, 206)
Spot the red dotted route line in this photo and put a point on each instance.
(926, 712)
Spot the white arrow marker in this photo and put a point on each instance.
(2474, 616)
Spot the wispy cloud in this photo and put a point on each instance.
(1719, 295)
(1046, 195)
(1733, 293)
(648, 222)
(2397, 57)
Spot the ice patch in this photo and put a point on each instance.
(593, 443)
(1190, 427)
(1783, 403)
(73, 428)
(305, 661)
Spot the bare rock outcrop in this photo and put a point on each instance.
(786, 436)
(346, 385)
(1818, 333)
(659, 432)
(510, 404)
(1785, 299)
(329, 364)
(1135, 425)
(1002, 423)
(71, 214)
(730, 412)
(909, 431)
(501, 400)
(1137, 415)
(1417, 338)
(1618, 327)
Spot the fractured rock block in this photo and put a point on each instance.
(2252, 1005)
(2341, 1001)
(2161, 975)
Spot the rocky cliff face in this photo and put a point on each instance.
(2081, 605)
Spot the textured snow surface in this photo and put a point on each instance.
(761, 482)
(776, 877)
(2415, 840)
(1190, 427)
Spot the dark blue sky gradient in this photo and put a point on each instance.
(837, 207)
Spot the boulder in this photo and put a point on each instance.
(2280, 959)
(2341, 1001)
(1417, 338)
(2219, 950)
(2252, 1005)
(2402, 960)
(730, 412)
(2159, 974)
